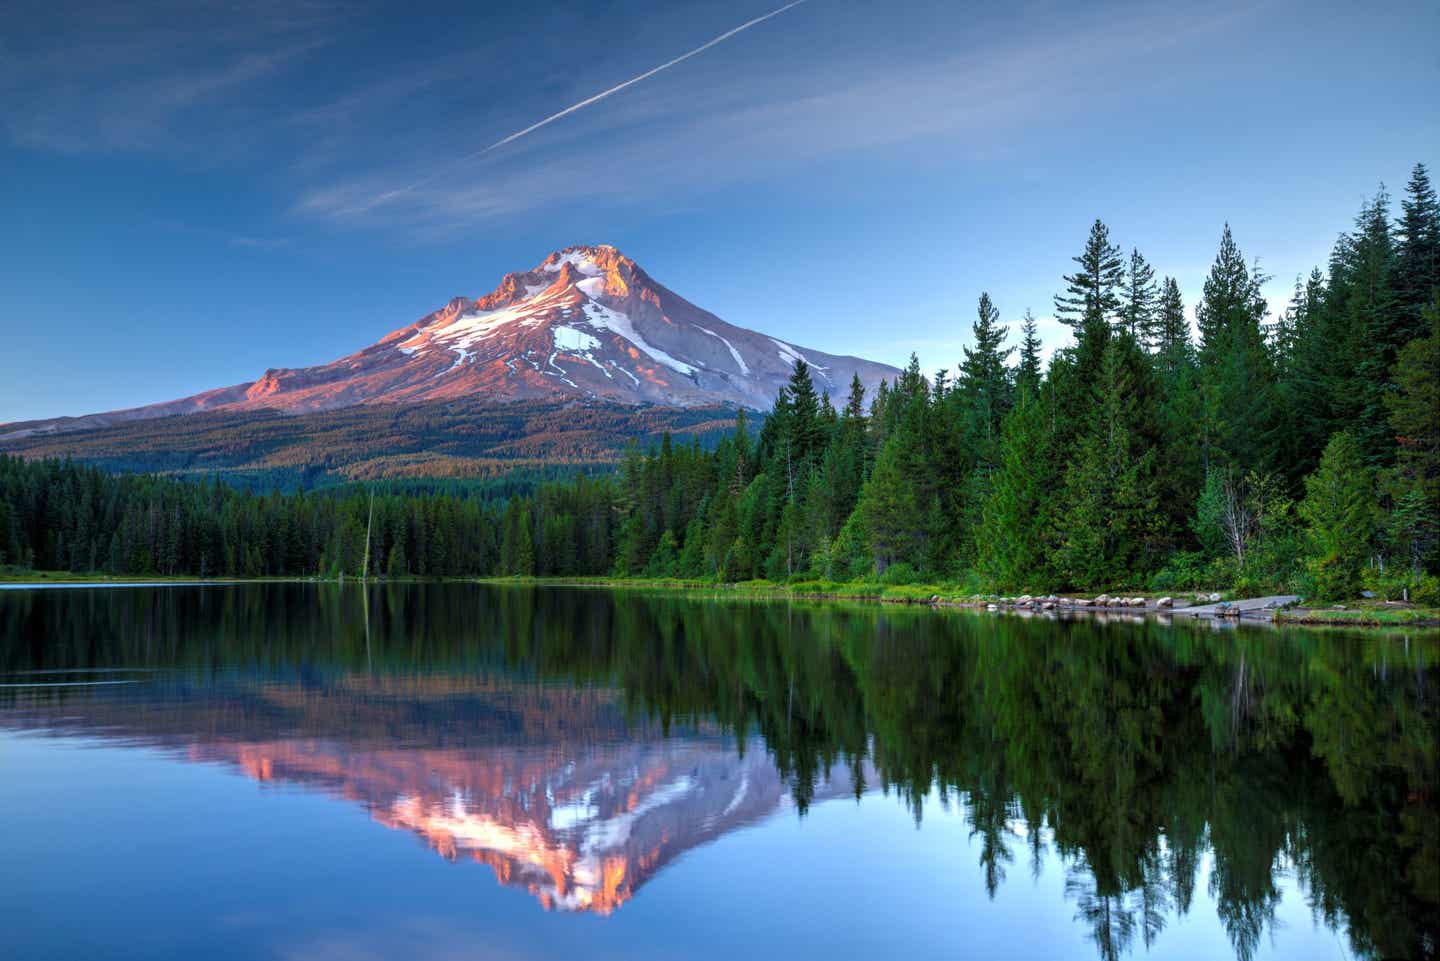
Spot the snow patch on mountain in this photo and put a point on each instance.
(573, 339)
(575, 259)
(461, 356)
(744, 367)
(467, 330)
(604, 318)
(790, 355)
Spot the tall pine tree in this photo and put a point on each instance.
(1417, 268)
(1137, 300)
(1236, 375)
(1092, 293)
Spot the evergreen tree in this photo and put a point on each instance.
(1317, 375)
(1338, 511)
(1028, 372)
(1373, 313)
(855, 402)
(1236, 376)
(1109, 524)
(666, 559)
(1178, 416)
(1172, 329)
(1137, 300)
(1417, 268)
(895, 501)
(396, 564)
(1092, 293)
(1415, 421)
(1017, 526)
(806, 433)
(984, 382)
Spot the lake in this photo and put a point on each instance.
(510, 772)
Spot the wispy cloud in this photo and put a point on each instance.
(410, 143)
(709, 131)
(581, 105)
(96, 76)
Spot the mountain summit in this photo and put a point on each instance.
(587, 323)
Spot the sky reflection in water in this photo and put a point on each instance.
(650, 775)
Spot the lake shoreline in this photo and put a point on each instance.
(940, 597)
(928, 595)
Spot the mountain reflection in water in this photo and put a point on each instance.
(577, 742)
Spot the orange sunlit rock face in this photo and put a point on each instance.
(587, 323)
(580, 832)
(558, 794)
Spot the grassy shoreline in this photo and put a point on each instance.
(1361, 614)
(1370, 616)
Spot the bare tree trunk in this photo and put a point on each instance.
(369, 521)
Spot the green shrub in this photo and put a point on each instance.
(1396, 585)
(1184, 571)
(899, 573)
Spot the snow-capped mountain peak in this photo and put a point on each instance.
(586, 323)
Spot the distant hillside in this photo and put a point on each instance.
(458, 439)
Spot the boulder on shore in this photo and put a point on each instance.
(1164, 602)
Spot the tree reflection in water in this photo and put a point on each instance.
(1144, 756)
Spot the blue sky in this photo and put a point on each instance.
(194, 192)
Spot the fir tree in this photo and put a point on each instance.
(1109, 526)
(1172, 329)
(1092, 292)
(1373, 313)
(1338, 511)
(1137, 300)
(984, 382)
(1236, 377)
(1016, 529)
(1178, 416)
(1028, 372)
(855, 401)
(1417, 268)
(1415, 420)
(805, 425)
(893, 504)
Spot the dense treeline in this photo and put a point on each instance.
(1255, 450)
(1302, 451)
(57, 515)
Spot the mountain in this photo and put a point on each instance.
(586, 324)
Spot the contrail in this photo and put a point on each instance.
(589, 100)
(644, 76)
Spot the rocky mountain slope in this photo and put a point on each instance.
(586, 324)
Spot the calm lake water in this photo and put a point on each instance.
(455, 771)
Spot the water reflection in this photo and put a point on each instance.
(577, 742)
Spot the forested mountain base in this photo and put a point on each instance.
(462, 440)
(1297, 454)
